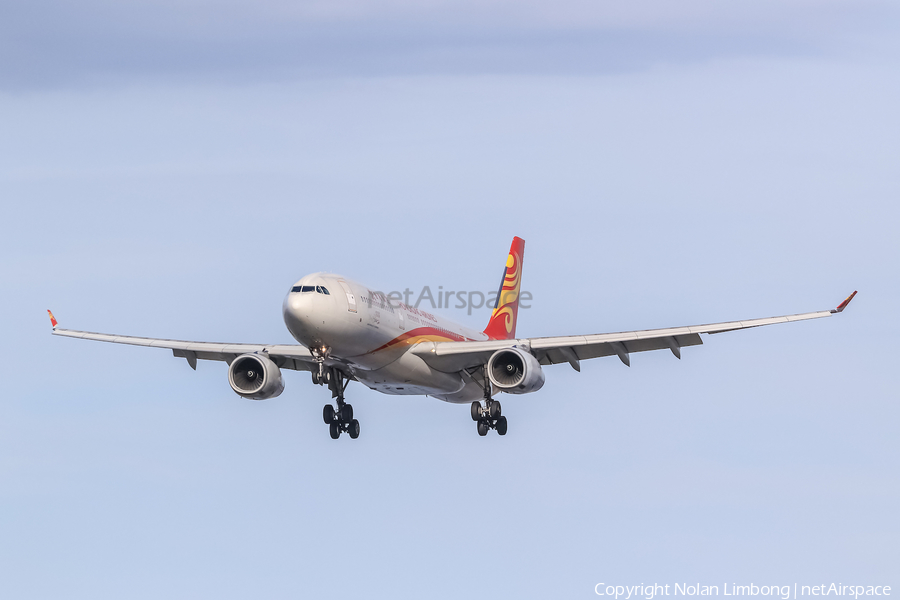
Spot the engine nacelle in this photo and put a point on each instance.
(255, 376)
(515, 371)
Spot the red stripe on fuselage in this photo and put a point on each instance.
(411, 337)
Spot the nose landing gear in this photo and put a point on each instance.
(340, 418)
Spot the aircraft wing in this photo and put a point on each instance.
(286, 356)
(456, 356)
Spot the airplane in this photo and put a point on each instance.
(348, 332)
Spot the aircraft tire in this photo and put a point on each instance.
(346, 413)
(483, 428)
(501, 425)
(335, 431)
(328, 414)
(354, 429)
(494, 410)
(476, 410)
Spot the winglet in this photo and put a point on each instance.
(844, 304)
(52, 319)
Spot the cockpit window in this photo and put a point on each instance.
(319, 289)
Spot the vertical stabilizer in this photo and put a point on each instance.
(502, 325)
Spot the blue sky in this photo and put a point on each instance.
(170, 169)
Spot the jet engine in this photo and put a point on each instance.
(255, 376)
(515, 371)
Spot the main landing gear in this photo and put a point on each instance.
(488, 416)
(338, 418)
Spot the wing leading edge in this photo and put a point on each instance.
(286, 356)
(455, 356)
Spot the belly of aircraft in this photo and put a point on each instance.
(410, 375)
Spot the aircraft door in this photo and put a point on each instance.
(351, 299)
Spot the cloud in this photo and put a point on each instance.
(53, 43)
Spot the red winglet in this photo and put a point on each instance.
(844, 304)
(52, 319)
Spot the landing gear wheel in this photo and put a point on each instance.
(483, 428)
(476, 410)
(501, 425)
(339, 418)
(494, 410)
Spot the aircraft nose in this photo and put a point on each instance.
(293, 302)
(296, 310)
(303, 317)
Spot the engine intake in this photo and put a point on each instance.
(515, 371)
(256, 377)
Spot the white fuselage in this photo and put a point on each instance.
(371, 336)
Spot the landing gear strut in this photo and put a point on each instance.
(338, 418)
(488, 416)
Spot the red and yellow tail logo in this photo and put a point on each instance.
(502, 325)
(52, 319)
